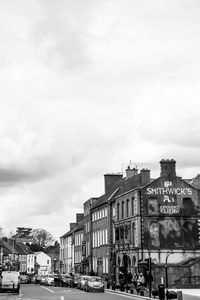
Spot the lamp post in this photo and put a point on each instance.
(166, 273)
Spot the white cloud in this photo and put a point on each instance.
(85, 88)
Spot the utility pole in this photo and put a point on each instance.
(141, 224)
(150, 277)
(166, 266)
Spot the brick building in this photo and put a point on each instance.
(87, 242)
(102, 226)
(139, 218)
(67, 246)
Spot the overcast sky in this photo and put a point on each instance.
(85, 87)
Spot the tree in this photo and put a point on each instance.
(23, 232)
(42, 238)
(1, 233)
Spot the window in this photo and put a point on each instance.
(133, 206)
(188, 207)
(106, 236)
(117, 211)
(106, 212)
(152, 206)
(121, 233)
(117, 234)
(122, 209)
(113, 211)
(133, 234)
(127, 208)
(127, 232)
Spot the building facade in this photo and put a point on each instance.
(140, 218)
(88, 235)
(43, 262)
(79, 254)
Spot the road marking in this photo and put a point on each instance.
(62, 298)
(126, 295)
(47, 289)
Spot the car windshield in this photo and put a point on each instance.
(95, 279)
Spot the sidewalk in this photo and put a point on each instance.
(191, 292)
(127, 294)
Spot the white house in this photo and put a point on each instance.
(67, 253)
(43, 261)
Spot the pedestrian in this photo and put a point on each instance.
(121, 281)
(129, 277)
(135, 281)
(141, 279)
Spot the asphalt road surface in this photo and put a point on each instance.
(38, 292)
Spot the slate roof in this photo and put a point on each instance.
(5, 249)
(195, 182)
(104, 198)
(122, 186)
(134, 182)
(24, 248)
(8, 248)
(79, 226)
(18, 249)
(67, 234)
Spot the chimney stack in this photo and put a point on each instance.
(131, 172)
(79, 217)
(168, 168)
(144, 176)
(72, 226)
(110, 179)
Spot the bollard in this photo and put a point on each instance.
(161, 291)
(141, 293)
(105, 284)
(179, 295)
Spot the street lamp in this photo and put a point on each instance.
(166, 273)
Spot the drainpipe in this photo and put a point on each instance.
(141, 225)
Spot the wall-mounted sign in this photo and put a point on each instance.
(169, 190)
(169, 209)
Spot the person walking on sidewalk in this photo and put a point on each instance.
(121, 281)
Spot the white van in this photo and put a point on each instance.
(10, 281)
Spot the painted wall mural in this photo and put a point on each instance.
(171, 233)
(170, 213)
(170, 198)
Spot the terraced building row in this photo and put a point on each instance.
(138, 218)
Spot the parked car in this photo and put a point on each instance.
(57, 280)
(24, 279)
(94, 284)
(42, 279)
(76, 279)
(10, 281)
(36, 279)
(67, 280)
(81, 282)
(49, 279)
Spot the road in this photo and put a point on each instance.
(37, 292)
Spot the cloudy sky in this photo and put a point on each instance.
(86, 87)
